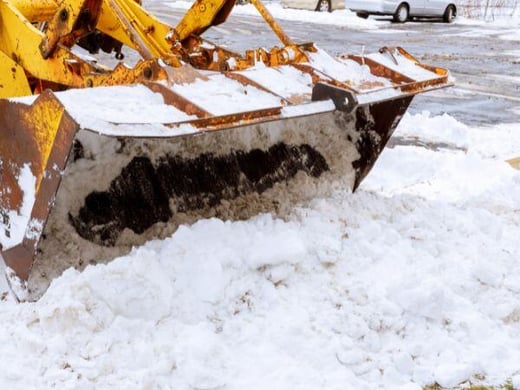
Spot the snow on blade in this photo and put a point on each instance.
(122, 111)
(347, 71)
(403, 65)
(285, 81)
(220, 95)
(121, 104)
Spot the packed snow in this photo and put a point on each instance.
(412, 280)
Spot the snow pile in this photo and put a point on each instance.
(412, 280)
(457, 162)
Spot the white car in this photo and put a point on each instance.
(314, 5)
(403, 10)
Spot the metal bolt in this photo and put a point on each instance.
(64, 14)
(147, 73)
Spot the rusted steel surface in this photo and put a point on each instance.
(40, 137)
(233, 120)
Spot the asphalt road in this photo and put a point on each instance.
(485, 66)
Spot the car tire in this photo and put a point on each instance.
(323, 6)
(363, 15)
(449, 14)
(402, 13)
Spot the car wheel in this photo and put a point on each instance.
(402, 13)
(323, 6)
(363, 15)
(449, 14)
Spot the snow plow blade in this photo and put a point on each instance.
(89, 173)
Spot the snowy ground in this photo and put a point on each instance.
(414, 279)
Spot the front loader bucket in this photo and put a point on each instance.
(89, 173)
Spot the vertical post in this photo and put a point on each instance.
(486, 10)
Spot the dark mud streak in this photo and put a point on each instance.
(140, 196)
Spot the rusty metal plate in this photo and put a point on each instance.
(37, 138)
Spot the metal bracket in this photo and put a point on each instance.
(69, 23)
(390, 50)
(343, 99)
